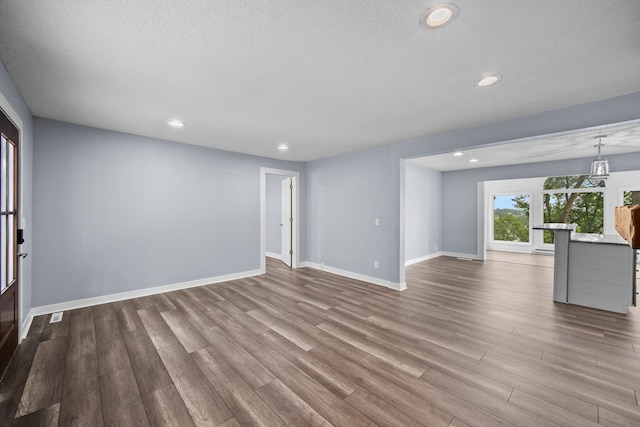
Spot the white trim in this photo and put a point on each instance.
(422, 258)
(273, 255)
(71, 305)
(505, 246)
(504, 187)
(311, 264)
(481, 225)
(461, 255)
(263, 215)
(9, 111)
(542, 251)
(350, 274)
(25, 327)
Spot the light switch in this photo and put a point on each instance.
(377, 221)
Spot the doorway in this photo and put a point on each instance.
(288, 229)
(286, 221)
(9, 215)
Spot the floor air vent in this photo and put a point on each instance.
(56, 317)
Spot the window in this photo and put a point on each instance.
(511, 218)
(575, 199)
(631, 197)
(8, 214)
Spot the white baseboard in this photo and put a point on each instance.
(273, 255)
(422, 258)
(25, 327)
(460, 255)
(86, 302)
(521, 248)
(542, 252)
(350, 274)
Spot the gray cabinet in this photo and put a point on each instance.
(593, 270)
(601, 275)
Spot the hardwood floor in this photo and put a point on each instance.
(468, 343)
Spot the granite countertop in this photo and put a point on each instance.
(555, 226)
(609, 239)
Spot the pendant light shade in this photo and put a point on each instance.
(599, 167)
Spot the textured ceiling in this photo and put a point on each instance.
(326, 77)
(619, 138)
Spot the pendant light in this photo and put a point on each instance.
(599, 167)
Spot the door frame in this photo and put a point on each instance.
(295, 261)
(23, 324)
(286, 226)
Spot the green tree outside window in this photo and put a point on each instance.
(511, 218)
(582, 208)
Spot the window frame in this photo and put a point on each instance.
(498, 245)
(622, 190)
(603, 190)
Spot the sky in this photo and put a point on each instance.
(504, 202)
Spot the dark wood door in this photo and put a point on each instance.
(8, 241)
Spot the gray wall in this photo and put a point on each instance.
(345, 195)
(115, 212)
(10, 92)
(347, 192)
(423, 211)
(274, 213)
(460, 192)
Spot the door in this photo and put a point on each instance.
(8, 241)
(286, 223)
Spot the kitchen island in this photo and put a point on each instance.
(593, 270)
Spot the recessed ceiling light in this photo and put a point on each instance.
(439, 15)
(473, 160)
(283, 147)
(458, 153)
(489, 80)
(176, 123)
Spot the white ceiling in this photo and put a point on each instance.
(327, 77)
(619, 138)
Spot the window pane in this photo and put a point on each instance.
(632, 197)
(3, 251)
(10, 173)
(574, 181)
(583, 209)
(511, 218)
(3, 176)
(11, 255)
